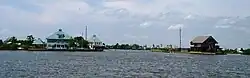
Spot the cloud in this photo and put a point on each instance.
(145, 24)
(129, 36)
(223, 26)
(175, 27)
(63, 10)
(189, 17)
(141, 18)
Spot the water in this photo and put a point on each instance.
(121, 64)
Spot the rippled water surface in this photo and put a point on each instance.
(126, 64)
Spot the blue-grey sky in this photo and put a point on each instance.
(130, 21)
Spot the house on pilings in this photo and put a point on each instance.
(204, 44)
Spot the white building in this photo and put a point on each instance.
(58, 40)
(94, 41)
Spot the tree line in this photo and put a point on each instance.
(127, 46)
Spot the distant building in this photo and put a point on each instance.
(38, 43)
(204, 44)
(8, 40)
(21, 38)
(94, 41)
(58, 40)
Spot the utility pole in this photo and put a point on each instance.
(180, 31)
(86, 33)
(82, 41)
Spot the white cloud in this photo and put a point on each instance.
(175, 27)
(189, 17)
(129, 36)
(62, 11)
(222, 26)
(114, 16)
(145, 24)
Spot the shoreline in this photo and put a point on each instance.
(104, 50)
(58, 50)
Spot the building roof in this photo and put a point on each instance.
(59, 35)
(7, 39)
(38, 41)
(201, 39)
(21, 38)
(94, 38)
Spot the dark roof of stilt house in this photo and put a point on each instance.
(202, 39)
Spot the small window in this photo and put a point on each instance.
(62, 46)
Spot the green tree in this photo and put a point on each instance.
(117, 46)
(12, 39)
(241, 49)
(81, 42)
(246, 52)
(1, 42)
(124, 46)
(30, 40)
(78, 42)
(135, 46)
(13, 46)
(72, 43)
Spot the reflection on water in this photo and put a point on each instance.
(121, 64)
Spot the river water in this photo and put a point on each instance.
(117, 64)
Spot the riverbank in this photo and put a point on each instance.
(200, 53)
(59, 50)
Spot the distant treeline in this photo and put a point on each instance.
(127, 47)
(12, 43)
(236, 51)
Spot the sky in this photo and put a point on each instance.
(130, 21)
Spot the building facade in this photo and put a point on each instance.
(58, 40)
(95, 42)
(204, 44)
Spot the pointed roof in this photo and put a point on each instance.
(59, 35)
(94, 38)
(38, 41)
(7, 39)
(201, 39)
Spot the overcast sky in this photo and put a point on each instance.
(130, 21)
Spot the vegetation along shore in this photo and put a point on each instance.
(60, 41)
